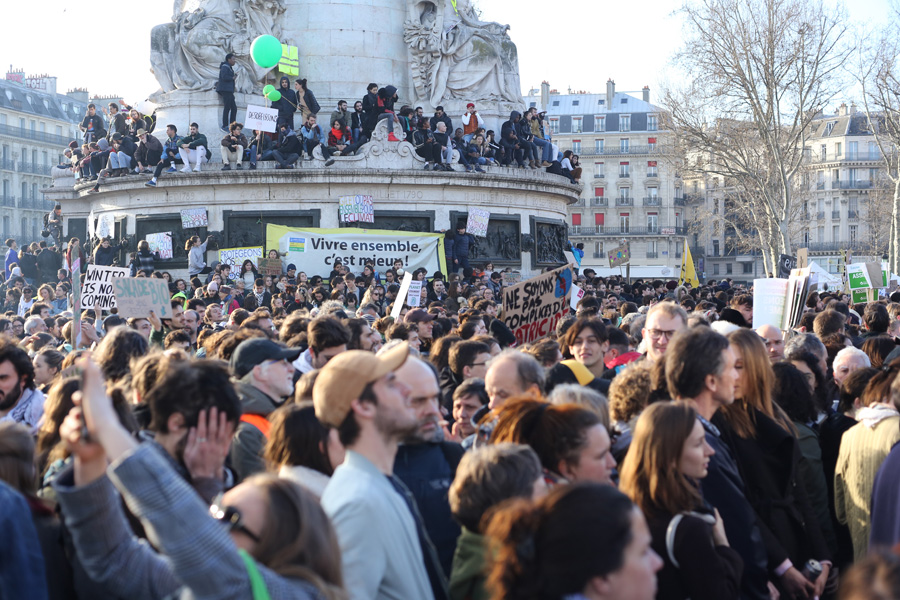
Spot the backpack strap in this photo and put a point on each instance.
(258, 421)
(670, 538)
(257, 583)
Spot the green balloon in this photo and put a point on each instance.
(266, 51)
(274, 96)
(268, 89)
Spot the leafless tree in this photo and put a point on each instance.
(877, 72)
(758, 73)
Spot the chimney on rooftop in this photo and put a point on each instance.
(842, 110)
(545, 95)
(646, 94)
(853, 108)
(610, 92)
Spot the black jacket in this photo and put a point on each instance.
(99, 128)
(226, 78)
(768, 464)
(289, 144)
(49, 262)
(149, 152)
(29, 265)
(509, 127)
(287, 104)
(444, 118)
(104, 257)
(127, 145)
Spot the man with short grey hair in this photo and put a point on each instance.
(513, 373)
(34, 324)
(803, 343)
(846, 361)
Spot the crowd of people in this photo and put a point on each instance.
(284, 436)
(121, 141)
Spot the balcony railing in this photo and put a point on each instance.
(652, 254)
(820, 185)
(599, 202)
(862, 184)
(678, 201)
(835, 185)
(651, 201)
(38, 136)
(599, 255)
(619, 151)
(7, 164)
(835, 214)
(8, 201)
(625, 231)
(838, 246)
(820, 214)
(599, 176)
(30, 167)
(853, 214)
(579, 202)
(624, 201)
(623, 175)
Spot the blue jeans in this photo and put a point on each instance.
(468, 137)
(119, 160)
(545, 147)
(355, 132)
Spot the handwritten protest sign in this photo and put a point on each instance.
(532, 308)
(403, 293)
(414, 296)
(236, 256)
(261, 118)
(478, 222)
(105, 226)
(769, 296)
(269, 266)
(97, 290)
(619, 256)
(194, 217)
(356, 209)
(511, 278)
(161, 242)
(137, 296)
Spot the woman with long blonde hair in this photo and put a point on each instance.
(764, 444)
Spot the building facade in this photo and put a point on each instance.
(632, 188)
(843, 204)
(36, 124)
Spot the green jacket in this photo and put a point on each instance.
(468, 575)
(195, 140)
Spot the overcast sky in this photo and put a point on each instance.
(577, 45)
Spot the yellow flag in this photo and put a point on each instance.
(688, 273)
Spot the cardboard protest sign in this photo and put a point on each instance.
(619, 256)
(769, 297)
(97, 291)
(236, 256)
(261, 118)
(414, 295)
(478, 222)
(532, 308)
(356, 209)
(194, 217)
(137, 296)
(269, 266)
(511, 278)
(403, 293)
(161, 242)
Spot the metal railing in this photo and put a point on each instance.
(820, 214)
(7, 164)
(598, 201)
(835, 185)
(624, 231)
(853, 214)
(861, 184)
(651, 201)
(835, 214)
(820, 185)
(624, 201)
(579, 202)
(624, 175)
(838, 246)
(36, 168)
(619, 151)
(678, 201)
(8, 201)
(652, 254)
(599, 176)
(38, 136)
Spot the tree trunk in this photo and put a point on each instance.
(894, 242)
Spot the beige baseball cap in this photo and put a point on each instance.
(345, 377)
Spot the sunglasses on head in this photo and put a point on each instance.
(230, 517)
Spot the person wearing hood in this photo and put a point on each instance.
(264, 379)
(225, 88)
(384, 109)
(864, 447)
(509, 140)
(288, 148)
(287, 104)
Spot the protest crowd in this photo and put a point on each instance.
(321, 435)
(118, 140)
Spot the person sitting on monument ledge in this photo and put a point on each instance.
(442, 139)
(357, 120)
(405, 118)
(122, 155)
(509, 141)
(262, 148)
(471, 121)
(441, 116)
(384, 110)
(149, 151)
(369, 104)
(136, 122)
(313, 136)
(170, 155)
(341, 114)
(288, 148)
(425, 145)
(472, 153)
(233, 146)
(340, 140)
(193, 147)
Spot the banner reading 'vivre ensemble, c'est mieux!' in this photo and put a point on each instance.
(316, 251)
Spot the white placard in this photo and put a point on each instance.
(161, 242)
(398, 301)
(414, 296)
(261, 118)
(97, 286)
(478, 222)
(577, 294)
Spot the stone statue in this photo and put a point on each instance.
(185, 54)
(454, 55)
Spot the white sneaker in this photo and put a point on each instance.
(197, 168)
(186, 170)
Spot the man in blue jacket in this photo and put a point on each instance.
(461, 250)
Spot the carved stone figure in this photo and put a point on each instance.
(550, 242)
(185, 54)
(454, 55)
